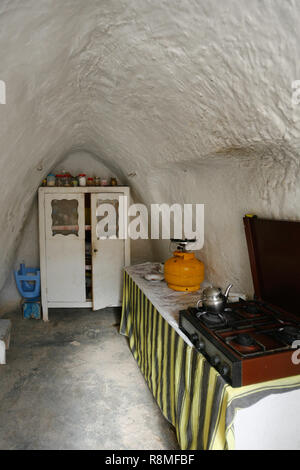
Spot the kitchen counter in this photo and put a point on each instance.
(206, 412)
(167, 301)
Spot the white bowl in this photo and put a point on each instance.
(154, 277)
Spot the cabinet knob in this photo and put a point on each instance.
(95, 250)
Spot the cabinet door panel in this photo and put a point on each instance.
(65, 247)
(108, 255)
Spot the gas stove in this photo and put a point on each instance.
(255, 341)
(249, 342)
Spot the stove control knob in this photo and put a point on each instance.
(194, 339)
(224, 370)
(216, 361)
(197, 342)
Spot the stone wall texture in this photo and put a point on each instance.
(186, 101)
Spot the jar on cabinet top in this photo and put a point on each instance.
(67, 178)
(51, 179)
(59, 180)
(97, 181)
(74, 182)
(82, 179)
(90, 181)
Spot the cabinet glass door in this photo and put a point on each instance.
(65, 247)
(108, 250)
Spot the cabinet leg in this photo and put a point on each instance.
(45, 312)
(2, 352)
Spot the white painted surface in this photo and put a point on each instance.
(65, 255)
(108, 264)
(84, 162)
(271, 424)
(2, 353)
(65, 270)
(42, 254)
(108, 261)
(28, 247)
(5, 330)
(86, 304)
(187, 101)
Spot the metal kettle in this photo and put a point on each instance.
(213, 300)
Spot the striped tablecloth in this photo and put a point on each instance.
(190, 393)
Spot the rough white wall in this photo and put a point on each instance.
(83, 162)
(28, 247)
(192, 96)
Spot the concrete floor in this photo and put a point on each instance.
(72, 383)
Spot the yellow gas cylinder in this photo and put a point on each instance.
(184, 272)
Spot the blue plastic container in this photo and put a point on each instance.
(28, 282)
(31, 309)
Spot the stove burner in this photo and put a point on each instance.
(244, 340)
(248, 342)
(211, 319)
(244, 344)
(252, 309)
(289, 334)
(292, 330)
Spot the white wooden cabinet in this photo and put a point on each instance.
(79, 268)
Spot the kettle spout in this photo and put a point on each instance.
(226, 294)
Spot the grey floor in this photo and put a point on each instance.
(72, 383)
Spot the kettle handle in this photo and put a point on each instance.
(226, 294)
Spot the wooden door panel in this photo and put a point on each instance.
(65, 247)
(108, 255)
(65, 271)
(108, 264)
